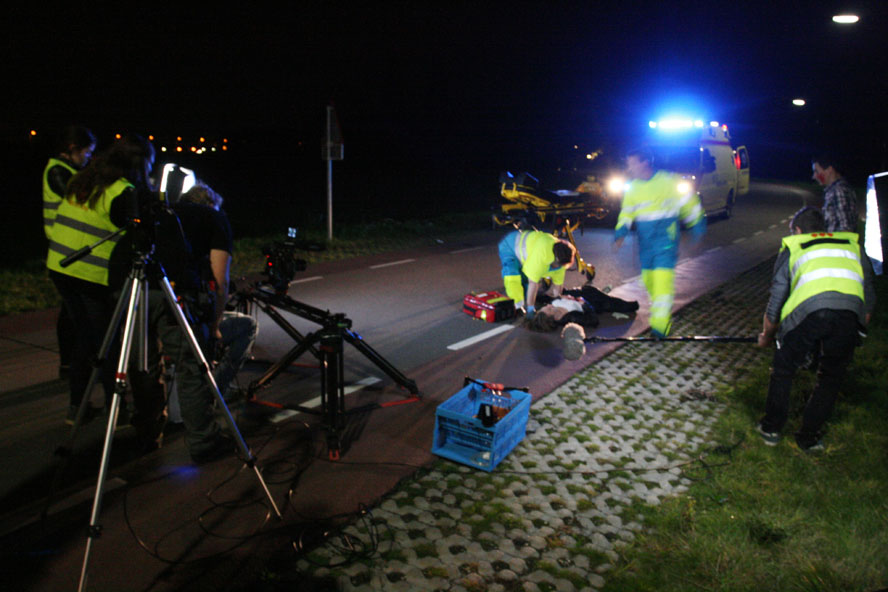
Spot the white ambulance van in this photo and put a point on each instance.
(702, 152)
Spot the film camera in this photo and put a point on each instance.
(281, 263)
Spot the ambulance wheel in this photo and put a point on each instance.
(729, 205)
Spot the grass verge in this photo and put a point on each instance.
(27, 286)
(777, 518)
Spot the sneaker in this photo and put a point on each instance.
(815, 448)
(769, 438)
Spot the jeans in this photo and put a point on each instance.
(195, 396)
(238, 335)
(834, 334)
(89, 307)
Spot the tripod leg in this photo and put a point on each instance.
(64, 452)
(332, 391)
(170, 297)
(136, 286)
(371, 354)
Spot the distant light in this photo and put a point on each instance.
(724, 127)
(202, 140)
(616, 185)
(178, 149)
(846, 19)
(698, 123)
(224, 140)
(652, 124)
(684, 187)
(224, 147)
(798, 102)
(589, 157)
(117, 136)
(713, 124)
(33, 132)
(150, 138)
(575, 146)
(163, 148)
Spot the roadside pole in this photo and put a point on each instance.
(333, 150)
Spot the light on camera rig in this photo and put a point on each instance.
(281, 263)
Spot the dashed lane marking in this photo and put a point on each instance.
(401, 262)
(480, 337)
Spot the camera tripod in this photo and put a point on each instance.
(133, 303)
(329, 339)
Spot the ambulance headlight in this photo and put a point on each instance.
(616, 185)
(684, 188)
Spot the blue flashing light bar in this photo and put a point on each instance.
(676, 124)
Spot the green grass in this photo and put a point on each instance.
(763, 518)
(27, 286)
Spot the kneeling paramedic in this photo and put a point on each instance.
(822, 292)
(528, 256)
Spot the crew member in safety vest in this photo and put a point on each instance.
(528, 256)
(84, 217)
(75, 147)
(821, 294)
(656, 204)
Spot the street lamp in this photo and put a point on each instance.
(845, 19)
(798, 102)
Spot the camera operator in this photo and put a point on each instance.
(234, 332)
(86, 214)
(192, 242)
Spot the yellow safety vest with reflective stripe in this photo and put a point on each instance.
(77, 226)
(534, 249)
(51, 199)
(822, 262)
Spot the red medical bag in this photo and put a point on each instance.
(489, 306)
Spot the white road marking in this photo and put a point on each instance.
(739, 240)
(758, 232)
(466, 250)
(316, 402)
(401, 262)
(713, 249)
(480, 337)
(308, 279)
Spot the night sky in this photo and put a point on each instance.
(484, 85)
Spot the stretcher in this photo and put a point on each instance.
(528, 202)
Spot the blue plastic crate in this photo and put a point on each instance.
(461, 437)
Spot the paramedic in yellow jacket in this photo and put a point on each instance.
(656, 204)
(528, 256)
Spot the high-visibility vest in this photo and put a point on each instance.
(534, 250)
(51, 199)
(77, 226)
(822, 262)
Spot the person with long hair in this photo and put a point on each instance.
(76, 145)
(83, 217)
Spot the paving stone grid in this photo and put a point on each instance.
(553, 513)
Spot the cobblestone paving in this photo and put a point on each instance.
(554, 512)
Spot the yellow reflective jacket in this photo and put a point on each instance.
(77, 226)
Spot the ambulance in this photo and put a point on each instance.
(703, 153)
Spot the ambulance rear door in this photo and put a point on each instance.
(741, 160)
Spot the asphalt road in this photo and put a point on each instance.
(407, 305)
